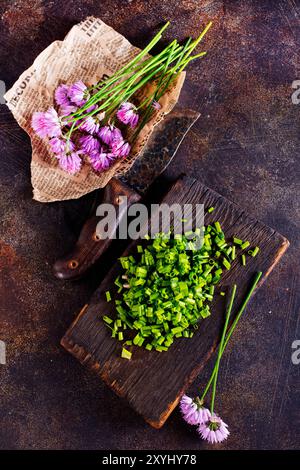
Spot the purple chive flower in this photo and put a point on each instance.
(109, 134)
(46, 124)
(156, 105)
(193, 411)
(66, 109)
(214, 430)
(90, 125)
(128, 115)
(91, 108)
(60, 146)
(70, 162)
(61, 95)
(89, 143)
(100, 160)
(38, 124)
(78, 93)
(120, 148)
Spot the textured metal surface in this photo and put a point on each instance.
(161, 149)
(245, 145)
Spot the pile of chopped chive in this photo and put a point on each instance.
(166, 289)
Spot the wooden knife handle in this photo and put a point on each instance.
(90, 245)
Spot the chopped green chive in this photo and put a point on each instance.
(245, 245)
(166, 289)
(218, 227)
(205, 312)
(226, 264)
(120, 336)
(210, 210)
(255, 251)
(107, 319)
(126, 354)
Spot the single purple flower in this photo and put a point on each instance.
(109, 134)
(91, 108)
(66, 109)
(193, 411)
(134, 120)
(78, 93)
(214, 430)
(46, 124)
(38, 124)
(100, 160)
(61, 146)
(90, 125)
(120, 148)
(128, 114)
(62, 95)
(89, 143)
(156, 105)
(70, 162)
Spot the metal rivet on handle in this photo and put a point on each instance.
(73, 264)
(96, 237)
(119, 200)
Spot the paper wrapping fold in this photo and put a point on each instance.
(90, 51)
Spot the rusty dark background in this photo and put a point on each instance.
(245, 145)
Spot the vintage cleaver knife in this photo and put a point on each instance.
(159, 152)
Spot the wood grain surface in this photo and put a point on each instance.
(153, 382)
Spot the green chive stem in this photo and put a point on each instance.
(136, 74)
(217, 365)
(233, 326)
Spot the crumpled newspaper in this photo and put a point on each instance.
(91, 50)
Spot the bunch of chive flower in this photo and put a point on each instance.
(102, 144)
(210, 426)
(95, 123)
(166, 289)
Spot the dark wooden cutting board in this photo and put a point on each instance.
(153, 382)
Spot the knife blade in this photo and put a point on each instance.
(159, 152)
